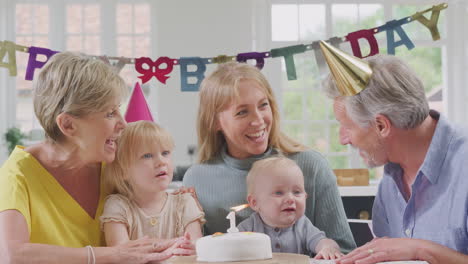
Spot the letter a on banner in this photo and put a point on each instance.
(8, 47)
(395, 25)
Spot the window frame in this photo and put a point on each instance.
(57, 37)
(453, 106)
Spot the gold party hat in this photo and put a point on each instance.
(351, 73)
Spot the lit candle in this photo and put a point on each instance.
(232, 220)
(232, 217)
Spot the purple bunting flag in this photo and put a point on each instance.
(259, 57)
(33, 63)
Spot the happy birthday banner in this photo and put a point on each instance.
(163, 66)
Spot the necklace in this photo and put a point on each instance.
(153, 220)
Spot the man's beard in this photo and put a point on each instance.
(369, 159)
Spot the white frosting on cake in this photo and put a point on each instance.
(237, 246)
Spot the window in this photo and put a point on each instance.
(32, 29)
(307, 113)
(133, 30)
(85, 27)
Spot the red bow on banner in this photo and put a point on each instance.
(154, 68)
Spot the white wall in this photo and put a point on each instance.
(203, 28)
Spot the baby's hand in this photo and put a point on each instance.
(329, 253)
(327, 249)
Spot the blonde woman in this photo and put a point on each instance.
(51, 193)
(138, 180)
(238, 124)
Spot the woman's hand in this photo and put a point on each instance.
(382, 249)
(144, 250)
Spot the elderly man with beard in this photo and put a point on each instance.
(420, 210)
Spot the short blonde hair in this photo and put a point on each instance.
(137, 136)
(219, 89)
(75, 84)
(260, 166)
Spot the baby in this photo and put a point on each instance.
(275, 191)
(138, 178)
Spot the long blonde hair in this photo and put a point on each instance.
(218, 90)
(135, 137)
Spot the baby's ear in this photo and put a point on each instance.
(252, 202)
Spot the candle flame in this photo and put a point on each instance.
(239, 207)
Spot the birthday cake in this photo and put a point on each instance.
(238, 246)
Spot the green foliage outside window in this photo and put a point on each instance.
(13, 137)
(305, 124)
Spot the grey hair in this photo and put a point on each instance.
(394, 91)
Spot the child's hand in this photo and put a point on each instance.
(184, 246)
(329, 253)
(160, 245)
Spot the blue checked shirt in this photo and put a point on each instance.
(438, 206)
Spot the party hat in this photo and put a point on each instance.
(351, 73)
(137, 108)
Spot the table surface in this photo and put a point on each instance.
(283, 258)
(321, 261)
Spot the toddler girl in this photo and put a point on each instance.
(138, 179)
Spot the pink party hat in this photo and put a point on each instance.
(137, 108)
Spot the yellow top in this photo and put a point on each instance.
(52, 215)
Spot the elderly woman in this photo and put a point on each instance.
(238, 124)
(51, 194)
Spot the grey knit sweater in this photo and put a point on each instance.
(220, 184)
